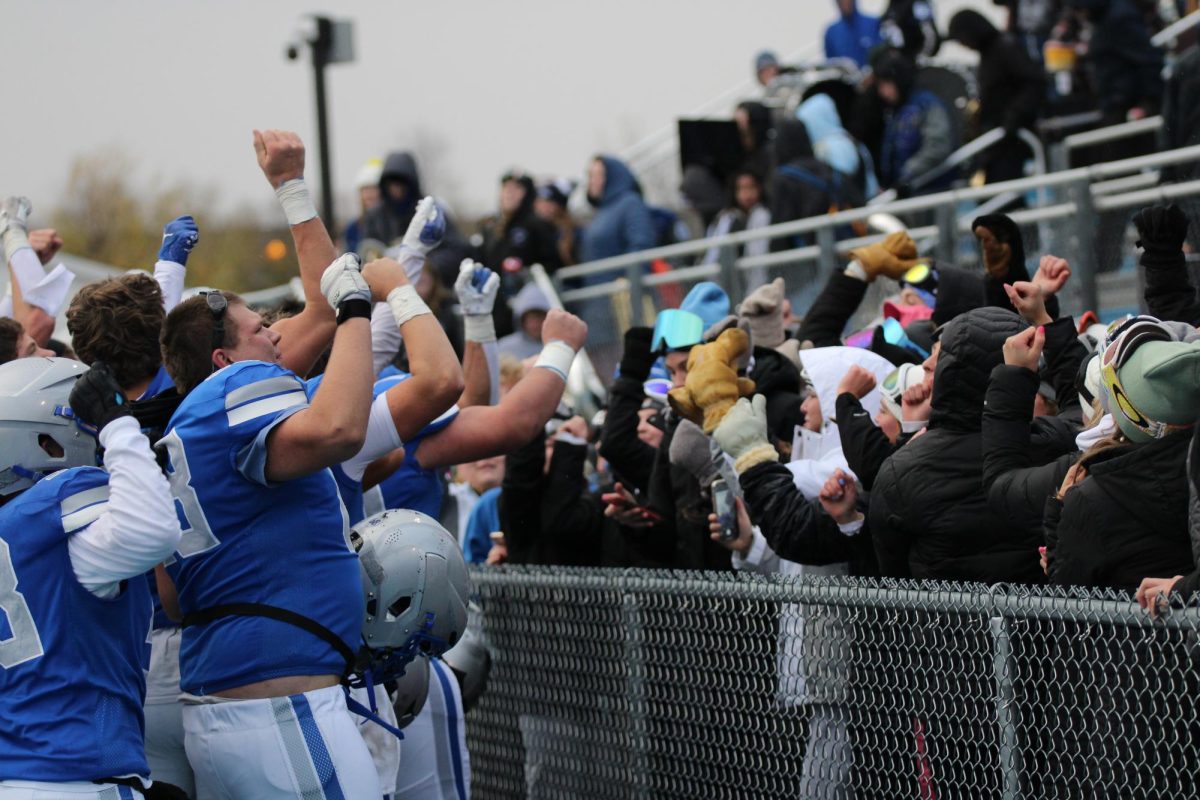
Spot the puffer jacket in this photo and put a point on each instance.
(1126, 521)
(929, 515)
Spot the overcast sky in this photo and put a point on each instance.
(540, 84)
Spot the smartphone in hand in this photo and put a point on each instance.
(723, 507)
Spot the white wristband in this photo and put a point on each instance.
(406, 304)
(479, 328)
(913, 425)
(556, 357)
(297, 204)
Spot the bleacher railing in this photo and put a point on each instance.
(648, 684)
(1069, 222)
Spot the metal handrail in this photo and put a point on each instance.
(1168, 34)
(913, 204)
(1112, 133)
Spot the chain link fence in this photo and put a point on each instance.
(646, 684)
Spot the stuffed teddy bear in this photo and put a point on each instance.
(713, 385)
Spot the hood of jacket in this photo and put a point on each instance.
(972, 344)
(824, 368)
(760, 121)
(618, 181)
(402, 166)
(971, 29)
(820, 117)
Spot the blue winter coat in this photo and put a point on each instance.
(853, 37)
(622, 223)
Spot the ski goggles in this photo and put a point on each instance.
(893, 334)
(922, 279)
(675, 329)
(1131, 334)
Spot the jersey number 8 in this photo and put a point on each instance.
(25, 644)
(197, 535)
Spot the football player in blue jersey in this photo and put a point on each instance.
(75, 544)
(120, 321)
(484, 431)
(267, 584)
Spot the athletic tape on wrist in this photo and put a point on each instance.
(296, 202)
(557, 357)
(479, 328)
(855, 270)
(406, 304)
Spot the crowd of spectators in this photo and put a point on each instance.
(970, 432)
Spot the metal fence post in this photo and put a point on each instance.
(636, 291)
(729, 277)
(639, 763)
(1083, 259)
(1006, 723)
(827, 241)
(947, 243)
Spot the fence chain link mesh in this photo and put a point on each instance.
(647, 684)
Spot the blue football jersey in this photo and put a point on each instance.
(71, 663)
(418, 483)
(246, 540)
(160, 383)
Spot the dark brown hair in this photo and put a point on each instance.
(118, 321)
(10, 337)
(187, 344)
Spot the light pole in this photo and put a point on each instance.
(330, 42)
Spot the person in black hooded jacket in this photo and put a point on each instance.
(929, 516)
(804, 186)
(400, 188)
(1011, 90)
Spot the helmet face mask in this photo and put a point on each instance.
(416, 588)
(41, 435)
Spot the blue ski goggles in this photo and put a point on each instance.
(675, 330)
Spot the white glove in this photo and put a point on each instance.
(14, 223)
(424, 233)
(476, 287)
(343, 280)
(743, 433)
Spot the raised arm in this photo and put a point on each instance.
(333, 427)
(180, 235)
(484, 431)
(25, 271)
(304, 337)
(476, 288)
(139, 528)
(437, 378)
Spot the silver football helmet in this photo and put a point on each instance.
(39, 433)
(416, 585)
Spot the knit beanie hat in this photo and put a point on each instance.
(707, 301)
(1156, 391)
(763, 311)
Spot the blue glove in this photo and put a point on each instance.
(179, 237)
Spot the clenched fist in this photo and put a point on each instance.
(565, 327)
(280, 156)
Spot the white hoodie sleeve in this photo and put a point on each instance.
(139, 528)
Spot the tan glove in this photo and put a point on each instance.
(893, 257)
